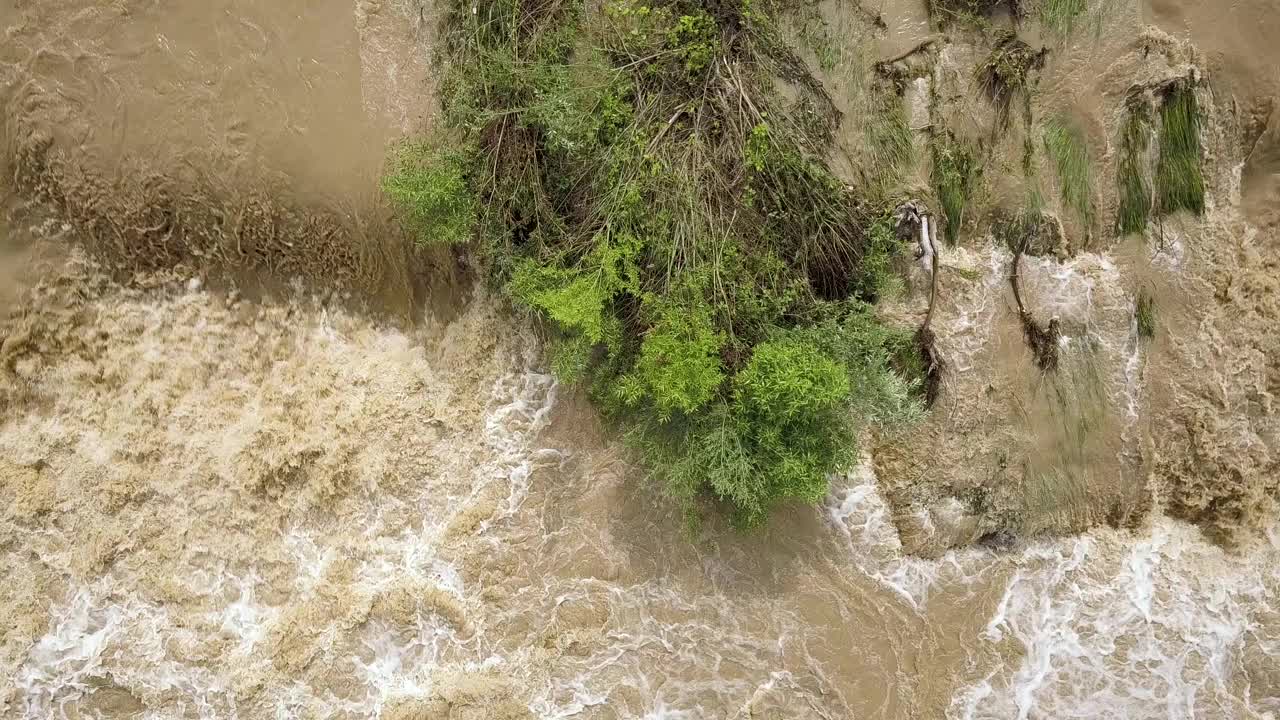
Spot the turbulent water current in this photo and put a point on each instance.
(219, 499)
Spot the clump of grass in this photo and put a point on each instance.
(955, 174)
(642, 184)
(1005, 75)
(1060, 16)
(1065, 146)
(889, 140)
(1145, 311)
(1179, 181)
(1131, 171)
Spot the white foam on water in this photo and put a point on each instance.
(105, 634)
(1133, 364)
(523, 408)
(976, 304)
(245, 618)
(861, 515)
(1111, 627)
(399, 667)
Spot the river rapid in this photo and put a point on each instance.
(229, 490)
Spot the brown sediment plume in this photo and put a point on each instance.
(155, 437)
(146, 218)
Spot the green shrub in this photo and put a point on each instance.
(433, 194)
(695, 39)
(791, 381)
(1179, 181)
(679, 367)
(642, 184)
(790, 420)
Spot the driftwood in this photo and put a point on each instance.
(913, 217)
(1043, 340)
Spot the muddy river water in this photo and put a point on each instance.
(221, 503)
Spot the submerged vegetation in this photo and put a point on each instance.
(637, 177)
(1179, 180)
(955, 173)
(1061, 16)
(1065, 146)
(889, 141)
(1135, 190)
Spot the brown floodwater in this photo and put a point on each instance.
(217, 505)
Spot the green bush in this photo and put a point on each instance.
(790, 420)
(679, 368)
(641, 183)
(433, 194)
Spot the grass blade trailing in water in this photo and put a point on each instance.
(1145, 310)
(1135, 190)
(1065, 146)
(1179, 180)
(955, 172)
(1060, 16)
(973, 12)
(889, 141)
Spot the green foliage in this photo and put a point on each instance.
(790, 380)
(571, 357)
(432, 193)
(790, 420)
(883, 249)
(642, 183)
(576, 301)
(696, 41)
(955, 173)
(679, 368)
(756, 149)
(1145, 311)
(1179, 181)
(1064, 144)
(1131, 170)
(889, 140)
